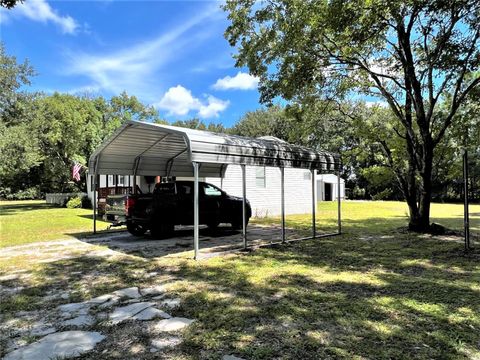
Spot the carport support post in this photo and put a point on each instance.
(95, 202)
(244, 207)
(339, 202)
(282, 190)
(314, 206)
(195, 211)
(466, 220)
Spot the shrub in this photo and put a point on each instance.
(383, 195)
(74, 203)
(86, 202)
(5, 192)
(358, 193)
(31, 193)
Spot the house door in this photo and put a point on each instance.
(328, 192)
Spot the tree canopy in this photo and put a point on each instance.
(412, 55)
(9, 3)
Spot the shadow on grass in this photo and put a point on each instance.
(12, 209)
(362, 294)
(224, 236)
(325, 299)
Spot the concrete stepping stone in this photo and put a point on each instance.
(69, 311)
(43, 331)
(113, 301)
(151, 313)
(162, 343)
(75, 308)
(81, 320)
(131, 301)
(126, 312)
(172, 324)
(170, 303)
(231, 357)
(101, 299)
(153, 290)
(58, 345)
(131, 293)
(159, 297)
(40, 328)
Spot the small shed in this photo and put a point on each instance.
(327, 187)
(141, 148)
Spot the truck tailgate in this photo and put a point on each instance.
(115, 205)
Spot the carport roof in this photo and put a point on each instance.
(153, 149)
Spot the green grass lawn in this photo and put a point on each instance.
(377, 216)
(23, 222)
(374, 292)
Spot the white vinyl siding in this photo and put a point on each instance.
(260, 179)
(265, 201)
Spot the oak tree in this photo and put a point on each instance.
(410, 54)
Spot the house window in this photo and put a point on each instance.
(110, 181)
(307, 175)
(121, 180)
(260, 177)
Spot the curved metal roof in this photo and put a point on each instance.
(154, 149)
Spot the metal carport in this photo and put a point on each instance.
(141, 148)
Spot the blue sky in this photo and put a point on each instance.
(169, 54)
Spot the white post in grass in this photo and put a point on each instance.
(196, 247)
(339, 202)
(282, 189)
(314, 206)
(244, 207)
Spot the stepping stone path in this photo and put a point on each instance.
(126, 312)
(171, 303)
(39, 328)
(81, 320)
(69, 311)
(135, 304)
(131, 293)
(172, 324)
(162, 343)
(231, 357)
(154, 290)
(151, 313)
(59, 345)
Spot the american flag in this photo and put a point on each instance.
(76, 171)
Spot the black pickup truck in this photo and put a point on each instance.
(171, 204)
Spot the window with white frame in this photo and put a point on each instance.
(121, 180)
(260, 179)
(110, 181)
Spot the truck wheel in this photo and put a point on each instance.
(162, 231)
(237, 223)
(135, 229)
(212, 225)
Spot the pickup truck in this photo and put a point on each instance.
(171, 204)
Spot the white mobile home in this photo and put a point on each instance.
(263, 185)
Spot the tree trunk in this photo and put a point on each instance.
(420, 220)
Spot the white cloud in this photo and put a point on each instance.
(135, 68)
(180, 101)
(241, 81)
(41, 11)
(213, 107)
